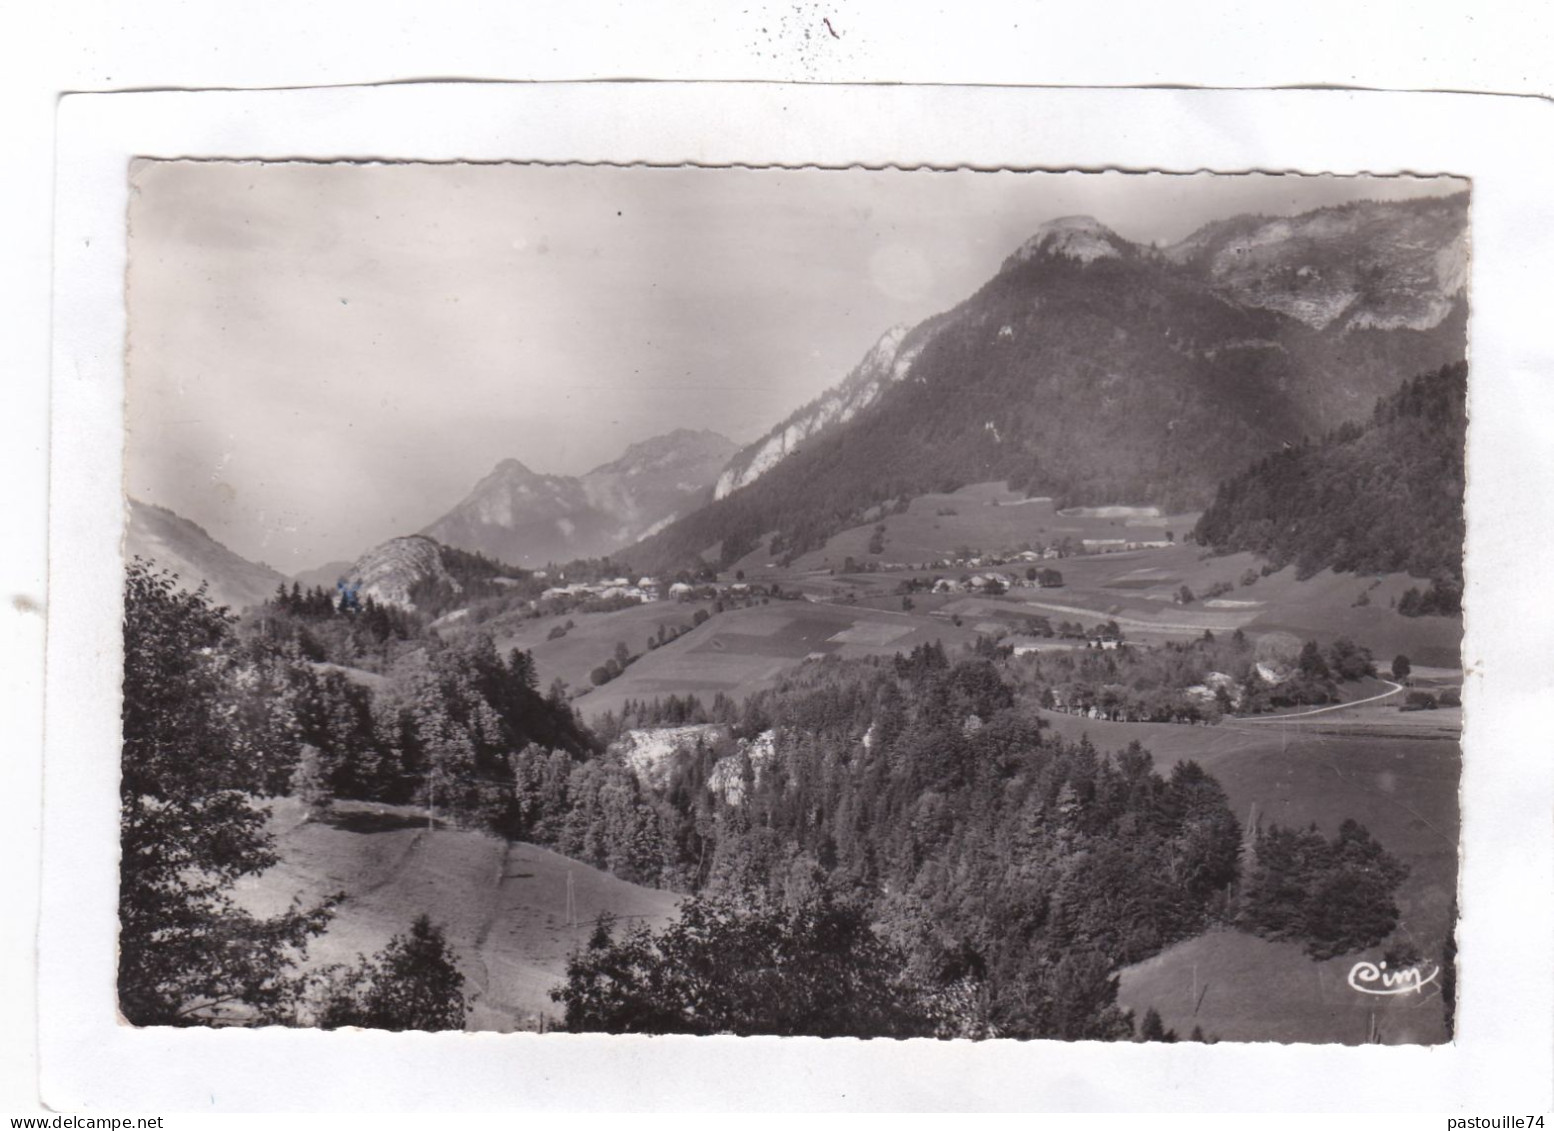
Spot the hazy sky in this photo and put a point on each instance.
(325, 356)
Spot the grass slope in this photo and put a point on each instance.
(986, 517)
(1238, 987)
(592, 639)
(503, 903)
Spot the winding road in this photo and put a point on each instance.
(1396, 688)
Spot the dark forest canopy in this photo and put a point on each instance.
(1385, 496)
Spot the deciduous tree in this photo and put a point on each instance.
(202, 741)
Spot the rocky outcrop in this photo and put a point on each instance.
(887, 362)
(1081, 238)
(1365, 266)
(388, 573)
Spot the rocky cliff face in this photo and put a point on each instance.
(1369, 265)
(173, 542)
(521, 516)
(388, 573)
(658, 480)
(888, 362)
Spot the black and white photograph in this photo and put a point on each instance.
(879, 603)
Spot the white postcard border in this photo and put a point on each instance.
(1506, 1015)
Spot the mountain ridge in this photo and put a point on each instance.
(530, 518)
(168, 539)
(1106, 372)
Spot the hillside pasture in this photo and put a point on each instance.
(1322, 607)
(985, 517)
(503, 904)
(745, 650)
(1238, 987)
(1138, 588)
(592, 639)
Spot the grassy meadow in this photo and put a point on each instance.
(504, 903)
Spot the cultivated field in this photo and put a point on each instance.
(503, 904)
(986, 517)
(592, 639)
(745, 650)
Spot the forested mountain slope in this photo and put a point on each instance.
(1100, 371)
(1385, 496)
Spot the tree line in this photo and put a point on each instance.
(1197, 681)
(1385, 496)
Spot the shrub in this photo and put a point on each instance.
(412, 983)
(745, 967)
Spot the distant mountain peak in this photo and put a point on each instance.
(680, 446)
(530, 518)
(1082, 238)
(513, 468)
(1104, 372)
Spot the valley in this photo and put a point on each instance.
(871, 593)
(1395, 772)
(1083, 664)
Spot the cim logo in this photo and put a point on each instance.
(1371, 978)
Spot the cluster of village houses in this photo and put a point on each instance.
(988, 580)
(1118, 545)
(1067, 548)
(642, 589)
(648, 589)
